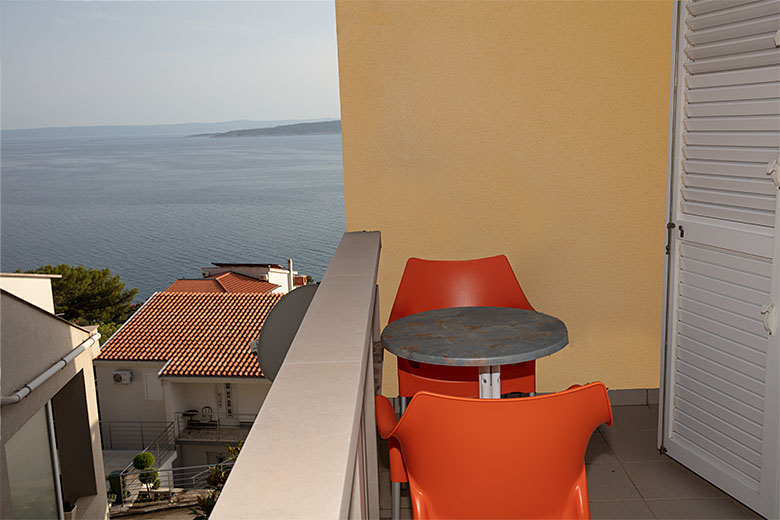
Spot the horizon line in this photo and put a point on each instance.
(119, 125)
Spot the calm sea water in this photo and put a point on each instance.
(157, 209)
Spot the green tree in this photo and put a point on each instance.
(90, 296)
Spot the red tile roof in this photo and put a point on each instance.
(225, 282)
(200, 286)
(198, 334)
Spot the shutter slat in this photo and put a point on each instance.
(751, 362)
(718, 445)
(744, 60)
(733, 77)
(717, 368)
(734, 108)
(699, 7)
(725, 426)
(730, 333)
(756, 155)
(760, 268)
(749, 139)
(753, 326)
(736, 14)
(767, 24)
(725, 364)
(748, 123)
(738, 45)
(733, 93)
(727, 273)
(738, 292)
(716, 408)
(757, 218)
(718, 395)
(739, 200)
(755, 186)
(725, 303)
(752, 170)
(726, 387)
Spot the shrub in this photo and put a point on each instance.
(150, 477)
(143, 460)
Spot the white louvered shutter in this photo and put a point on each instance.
(721, 410)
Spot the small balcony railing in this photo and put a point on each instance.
(131, 435)
(202, 425)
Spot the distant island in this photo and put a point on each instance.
(320, 128)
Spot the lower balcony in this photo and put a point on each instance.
(199, 426)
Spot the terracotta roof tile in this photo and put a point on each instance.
(200, 286)
(225, 282)
(198, 334)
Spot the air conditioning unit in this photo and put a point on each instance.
(123, 377)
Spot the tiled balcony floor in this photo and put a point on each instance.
(628, 478)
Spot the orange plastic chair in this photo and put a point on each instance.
(438, 284)
(497, 458)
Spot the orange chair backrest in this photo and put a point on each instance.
(500, 458)
(438, 284)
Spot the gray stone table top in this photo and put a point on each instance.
(475, 336)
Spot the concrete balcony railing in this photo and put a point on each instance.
(312, 451)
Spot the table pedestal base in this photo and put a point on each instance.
(490, 382)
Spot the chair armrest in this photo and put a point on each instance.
(385, 416)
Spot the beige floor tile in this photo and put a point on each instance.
(632, 418)
(598, 450)
(384, 490)
(668, 479)
(608, 482)
(694, 509)
(633, 446)
(625, 509)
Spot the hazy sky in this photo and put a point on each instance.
(104, 63)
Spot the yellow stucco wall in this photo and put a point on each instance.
(537, 129)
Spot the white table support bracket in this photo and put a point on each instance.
(490, 382)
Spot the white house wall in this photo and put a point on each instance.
(120, 402)
(248, 397)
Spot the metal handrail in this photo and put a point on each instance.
(129, 435)
(171, 479)
(194, 420)
(162, 445)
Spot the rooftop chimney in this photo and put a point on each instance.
(290, 280)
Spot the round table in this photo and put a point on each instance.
(487, 337)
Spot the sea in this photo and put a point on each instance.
(156, 209)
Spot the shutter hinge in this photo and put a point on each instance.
(773, 170)
(669, 227)
(770, 318)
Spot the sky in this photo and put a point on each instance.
(126, 63)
